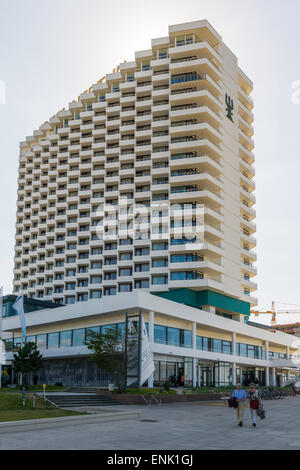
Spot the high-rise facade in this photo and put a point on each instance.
(98, 182)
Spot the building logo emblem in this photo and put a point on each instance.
(229, 107)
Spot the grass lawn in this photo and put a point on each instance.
(11, 408)
(34, 388)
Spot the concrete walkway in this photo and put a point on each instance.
(174, 426)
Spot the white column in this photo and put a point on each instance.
(233, 373)
(267, 350)
(199, 378)
(194, 346)
(267, 376)
(288, 352)
(151, 341)
(233, 345)
(273, 376)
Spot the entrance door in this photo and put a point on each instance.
(207, 376)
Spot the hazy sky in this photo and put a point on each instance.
(52, 50)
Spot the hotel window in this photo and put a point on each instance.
(41, 341)
(79, 337)
(110, 291)
(125, 288)
(163, 53)
(82, 297)
(156, 280)
(130, 77)
(93, 329)
(107, 328)
(30, 339)
(65, 339)
(142, 284)
(160, 334)
(186, 338)
(125, 272)
(96, 279)
(160, 263)
(53, 340)
(70, 300)
(174, 336)
(158, 246)
(146, 65)
(96, 294)
(96, 265)
(115, 87)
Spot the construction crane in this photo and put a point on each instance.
(275, 312)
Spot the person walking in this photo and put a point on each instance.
(241, 397)
(254, 401)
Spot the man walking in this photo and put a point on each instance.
(241, 397)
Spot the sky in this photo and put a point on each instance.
(53, 50)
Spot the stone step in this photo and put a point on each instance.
(79, 400)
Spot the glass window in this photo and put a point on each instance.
(106, 328)
(121, 328)
(160, 263)
(41, 341)
(174, 336)
(93, 329)
(53, 340)
(226, 347)
(160, 334)
(199, 342)
(206, 344)
(125, 288)
(78, 337)
(187, 339)
(65, 339)
(250, 351)
(243, 350)
(96, 294)
(30, 339)
(159, 280)
(217, 345)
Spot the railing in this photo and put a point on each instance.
(187, 78)
(184, 59)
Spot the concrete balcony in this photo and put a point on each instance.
(249, 254)
(205, 180)
(244, 166)
(250, 226)
(203, 146)
(251, 213)
(197, 284)
(245, 113)
(249, 197)
(201, 49)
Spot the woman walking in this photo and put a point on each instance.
(254, 401)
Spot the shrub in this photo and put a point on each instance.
(58, 384)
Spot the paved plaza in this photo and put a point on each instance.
(176, 426)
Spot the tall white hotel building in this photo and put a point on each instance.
(97, 230)
(174, 126)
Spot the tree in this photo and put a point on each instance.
(28, 359)
(108, 352)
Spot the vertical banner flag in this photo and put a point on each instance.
(147, 365)
(1, 310)
(147, 355)
(18, 306)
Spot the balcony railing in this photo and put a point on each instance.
(187, 77)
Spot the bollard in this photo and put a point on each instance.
(33, 401)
